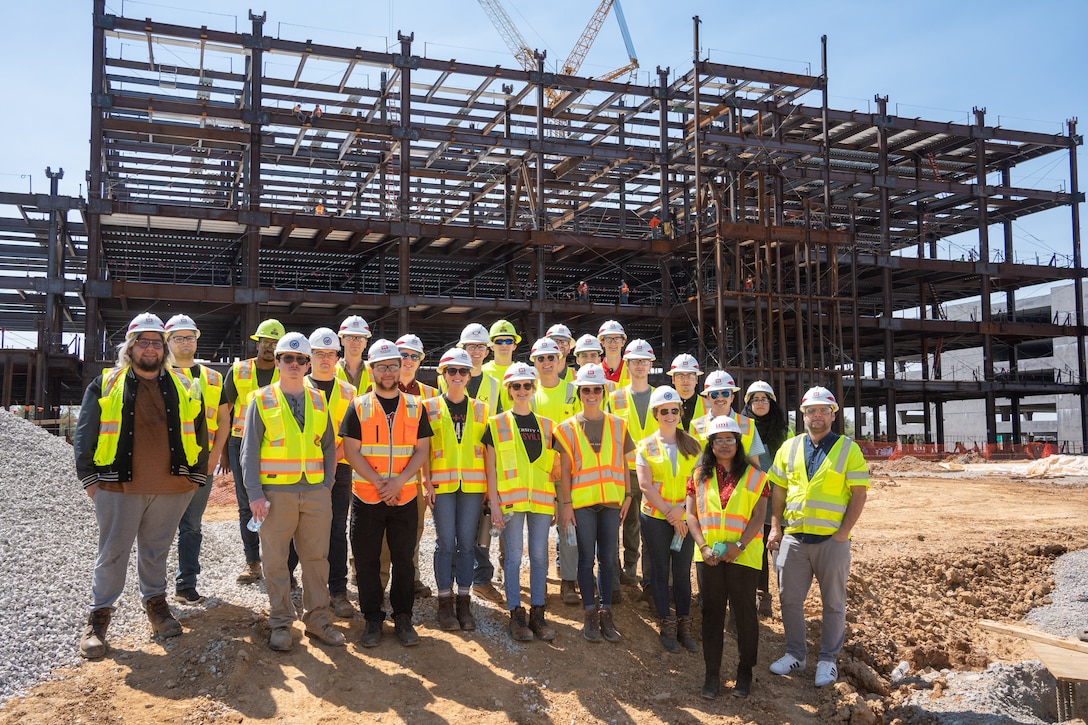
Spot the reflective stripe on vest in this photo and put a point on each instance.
(364, 377)
(728, 525)
(523, 486)
(624, 407)
(342, 394)
(387, 455)
(457, 464)
(245, 384)
(290, 455)
(669, 485)
(211, 392)
(747, 429)
(816, 506)
(596, 477)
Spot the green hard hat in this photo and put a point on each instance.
(271, 329)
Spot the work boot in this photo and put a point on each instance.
(250, 573)
(325, 633)
(591, 629)
(569, 593)
(629, 579)
(539, 626)
(162, 621)
(647, 597)
(280, 639)
(487, 591)
(342, 606)
(743, 686)
(464, 613)
(447, 620)
(406, 633)
(608, 627)
(372, 634)
(422, 591)
(684, 630)
(519, 627)
(92, 645)
(668, 634)
(763, 607)
(712, 685)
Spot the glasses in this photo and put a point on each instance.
(755, 400)
(183, 338)
(638, 362)
(458, 371)
(289, 359)
(818, 410)
(153, 344)
(591, 389)
(266, 342)
(668, 411)
(546, 358)
(608, 339)
(390, 368)
(715, 394)
(325, 354)
(411, 356)
(684, 376)
(522, 386)
(475, 347)
(503, 341)
(724, 440)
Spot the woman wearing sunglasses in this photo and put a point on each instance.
(594, 496)
(726, 505)
(664, 463)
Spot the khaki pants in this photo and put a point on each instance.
(305, 517)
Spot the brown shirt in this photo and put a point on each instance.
(151, 447)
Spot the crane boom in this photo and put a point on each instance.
(509, 32)
(581, 48)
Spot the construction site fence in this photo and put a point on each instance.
(885, 451)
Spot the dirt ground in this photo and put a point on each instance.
(931, 557)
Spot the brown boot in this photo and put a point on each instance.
(464, 613)
(92, 645)
(162, 621)
(569, 593)
(668, 634)
(608, 627)
(591, 629)
(447, 620)
(684, 636)
(539, 626)
(519, 627)
(763, 607)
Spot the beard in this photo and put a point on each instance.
(147, 366)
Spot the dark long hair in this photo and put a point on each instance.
(708, 461)
(773, 428)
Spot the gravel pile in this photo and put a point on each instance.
(1067, 614)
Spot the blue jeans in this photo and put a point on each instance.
(251, 541)
(657, 537)
(456, 519)
(190, 537)
(598, 529)
(513, 537)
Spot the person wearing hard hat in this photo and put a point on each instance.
(289, 466)
(821, 481)
(685, 372)
(141, 449)
(588, 351)
(663, 462)
(520, 450)
(241, 384)
(354, 334)
(726, 499)
(455, 481)
(595, 496)
(553, 398)
(720, 389)
(338, 394)
(560, 335)
(612, 337)
(181, 336)
(504, 341)
(386, 441)
(762, 407)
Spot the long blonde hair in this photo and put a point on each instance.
(124, 354)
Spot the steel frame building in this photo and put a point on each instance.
(236, 176)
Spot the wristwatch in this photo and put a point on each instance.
(740, 544)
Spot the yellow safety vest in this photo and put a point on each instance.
(817, 506)
(387, 455)
(728, 525)
(623, 406)
(342, 394)
(496, 372)
(670, 485)
(487, 393)
(747, 429)
(596, 478)
(245, 383)
(457, 464)
(290, 455)
(364, 377)
(210, 390)
(524, 486)
(558, 403)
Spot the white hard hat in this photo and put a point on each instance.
(382, 350)
(474, 333)
(611, 327)
(662, 395)
(293, 342)
(759, 386)
(587, 343)
(410, 342)
(355, 325)
(544, 346)
(324, 338)
(685, 363)
(719, 380)
(454, 356)
(638, 350)
(819, 396)
(592, 374)
(559, 331)
(145, 322)
(519, 371)
(722, 424)
(177, 323)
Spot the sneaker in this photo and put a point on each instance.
(519, 626)
(591, 629)
(787, 664)
(608, 627)
(826, 673)
(342, 606)
(488, 591)
(280, 639)
(251, 573)
(161, 619)
(569, 593)
(326, 634)
(188, 595)
(406, 633)
(372, 634)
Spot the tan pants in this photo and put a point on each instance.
(305, 517)
(421, 506)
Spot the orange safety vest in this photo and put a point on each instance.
(289, 454)
(728, 525)
(596, 478)
(524, 486)
(387, 455)
(245, 383)
(457, 464)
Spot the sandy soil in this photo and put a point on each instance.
(931, 557)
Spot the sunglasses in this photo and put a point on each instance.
(715, 394)
(153, 344)
(546, 358)
(289, 359)
(390, 368)
(668, 411)
(503, 341)
(183, 338)
(522, 386)
(592, 389)
(458, 371)
(411, 356)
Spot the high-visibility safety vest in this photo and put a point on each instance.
(747, 429)
(290, 455)
(487, 393)
(524, 486)
(624, 379)
(364, 377)
(728, 525)
(595, 478)
(210, 390)
(558, 403)
(670, 485)
(496, 372)
(624, 407)
(457, 464)
(112, 404)
(817, 506)
(387, 454)
(245, 383)
(699, 414)
(342, 394)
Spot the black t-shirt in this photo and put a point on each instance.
(530, 436)
(350, 427)
(687, 411)
(325, 386)
(473, 387)
(458, 414)
(230, 392)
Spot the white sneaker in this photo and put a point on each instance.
(787, 664)
(826, 673)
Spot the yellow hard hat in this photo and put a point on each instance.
(270, 328)
(504, 328)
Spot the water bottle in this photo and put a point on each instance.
(495, 530)
(254, 525)
(571, 535)
(900, 672)
(677, 542)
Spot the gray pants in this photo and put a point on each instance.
(796, 564)
(150, 521)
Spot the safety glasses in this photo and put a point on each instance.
(522, 386)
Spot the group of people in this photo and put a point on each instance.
(330, 447)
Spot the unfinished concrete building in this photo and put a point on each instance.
(264, 177)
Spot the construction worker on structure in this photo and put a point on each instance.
(720, 389)
(612, 337)
(560, 335)
(181, 337)
(289, 463)
(354, 334)
(140, 451)
(454, 484)
(383, 510)
(338, 394)
(685, 372)
(821, 481)
(504, 341)
(241, 384)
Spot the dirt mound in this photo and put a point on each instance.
(906, 464)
